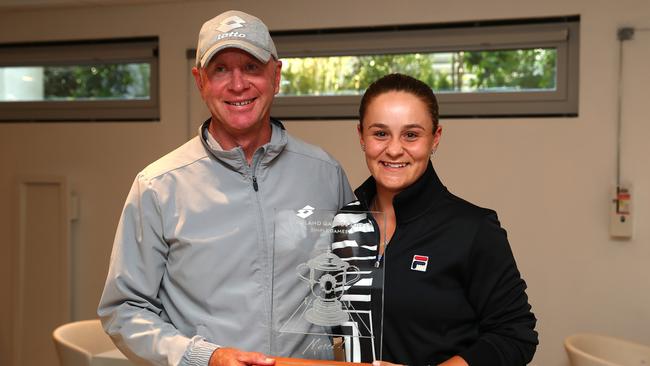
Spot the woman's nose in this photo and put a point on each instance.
(394, 147)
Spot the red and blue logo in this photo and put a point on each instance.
(420, 263)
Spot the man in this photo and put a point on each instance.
(191, 269)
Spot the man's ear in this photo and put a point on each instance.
(198, 80)
(278, 76)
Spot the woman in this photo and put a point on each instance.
(452, 291)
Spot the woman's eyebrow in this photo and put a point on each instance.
(377, 125)
(414, 125)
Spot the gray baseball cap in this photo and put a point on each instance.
(234, 29)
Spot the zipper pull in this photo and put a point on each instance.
(378, 262)
(255, 187)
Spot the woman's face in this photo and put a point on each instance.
(399, 138)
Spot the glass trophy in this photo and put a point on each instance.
(327, 301)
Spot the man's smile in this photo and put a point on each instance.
(241, 103)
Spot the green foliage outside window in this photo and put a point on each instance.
(468, 71)
(519, 69)
(107, 81)
(464, 71)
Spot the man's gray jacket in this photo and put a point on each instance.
(192, 258)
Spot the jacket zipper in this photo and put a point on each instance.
(266, 249)
(382, 257)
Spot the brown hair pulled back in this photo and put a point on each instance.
(400, 83)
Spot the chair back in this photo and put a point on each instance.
(77, 342)
(598, 350)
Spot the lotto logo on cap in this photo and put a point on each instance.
(420, 263)
(231, 23)
(234, 29)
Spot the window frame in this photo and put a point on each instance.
(71, 53)
(561, 33)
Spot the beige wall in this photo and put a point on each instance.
(549, 178)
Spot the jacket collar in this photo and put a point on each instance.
(236, 159)
(414, 201)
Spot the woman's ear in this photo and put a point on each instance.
(436, 137)
(360, 133)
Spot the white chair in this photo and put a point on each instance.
(77, 342)
(599, 350)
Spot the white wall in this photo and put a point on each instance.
(549, 178)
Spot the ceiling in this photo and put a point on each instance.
(39, 4)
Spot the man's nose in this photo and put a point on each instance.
(238, 80)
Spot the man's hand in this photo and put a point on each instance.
(234, 357)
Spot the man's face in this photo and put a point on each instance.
(238, 90)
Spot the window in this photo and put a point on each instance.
(104, 80)
(482, 69)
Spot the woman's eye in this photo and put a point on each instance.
(411, 135)
(380, 134)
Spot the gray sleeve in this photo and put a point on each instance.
(130, 308)
(345, 192)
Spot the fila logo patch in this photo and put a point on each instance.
(305, 212)
(420, 263)
(231, 23)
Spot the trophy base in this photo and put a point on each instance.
(287, 361)
(326, 313)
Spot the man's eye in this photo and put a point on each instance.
(251, 68)
(411, 135)
(220, 69)
(380, 134)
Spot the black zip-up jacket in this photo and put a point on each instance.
(467, 298)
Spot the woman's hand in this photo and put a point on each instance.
(455, 361)
(384, 363)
